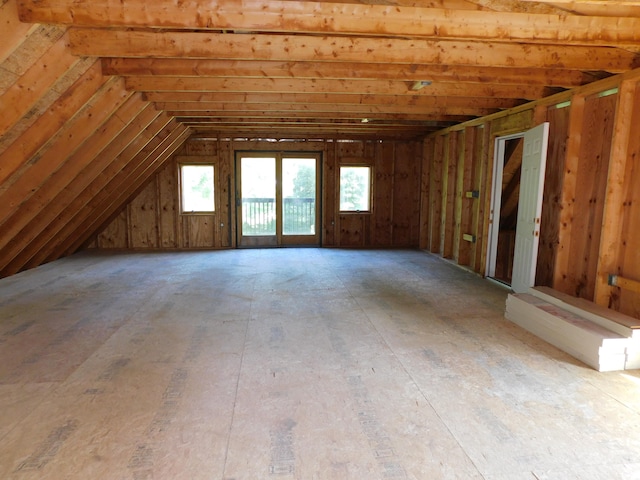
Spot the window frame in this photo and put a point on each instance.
(195, 163)
(370, 199)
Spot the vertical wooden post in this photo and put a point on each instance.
(427, 159)
(448, 196)
(539, 114)
(465, 184)
(561, 280)
(484, 201)
(617, 186)
(435, 194)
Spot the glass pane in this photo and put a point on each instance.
(299, 196)
(354, 189)
(197, 188)
(258, 185)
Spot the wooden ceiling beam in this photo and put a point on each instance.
(311, 122)
(314, 129)
(229, 46)
(306, 132)
(211, 101)
(327, 111)
(332, 18)
(372, 87)
(341, 70)
(321, 109)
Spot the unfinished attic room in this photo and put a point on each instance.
(319, 240)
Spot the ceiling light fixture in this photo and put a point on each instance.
(420, 84)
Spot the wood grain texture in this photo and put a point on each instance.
(615, 204)
(552, 206)
(591, 183)
(289, 16)
(393, 221)
(120, 43)
(514, 75)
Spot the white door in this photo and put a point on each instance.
(530, 208)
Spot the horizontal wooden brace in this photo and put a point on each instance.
(298, 109)
(371, 87)
(196, 100)
(342, 70)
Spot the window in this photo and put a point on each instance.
(197, 188)
(355, 188)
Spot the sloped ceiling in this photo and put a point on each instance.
(95, 95)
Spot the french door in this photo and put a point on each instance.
(277, 199)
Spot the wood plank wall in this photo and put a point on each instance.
(151, 219)
(590, 224)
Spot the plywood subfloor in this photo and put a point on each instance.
(293, 363)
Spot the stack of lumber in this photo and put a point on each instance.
(601, 338)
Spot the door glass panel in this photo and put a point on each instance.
(258, 186)
(299, 196)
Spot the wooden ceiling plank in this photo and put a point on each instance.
(128, 187)
(602, 8)
(339, 18)
(69, 202)
(206, 101)
(45, 102)
(48, 126)
(66, 182)
(32, 48)
(14, 32)
(341, 70)
(63, 208)
(85, 206)
(118, 43)
(35, 83)
(373, 87)
(111, 96)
